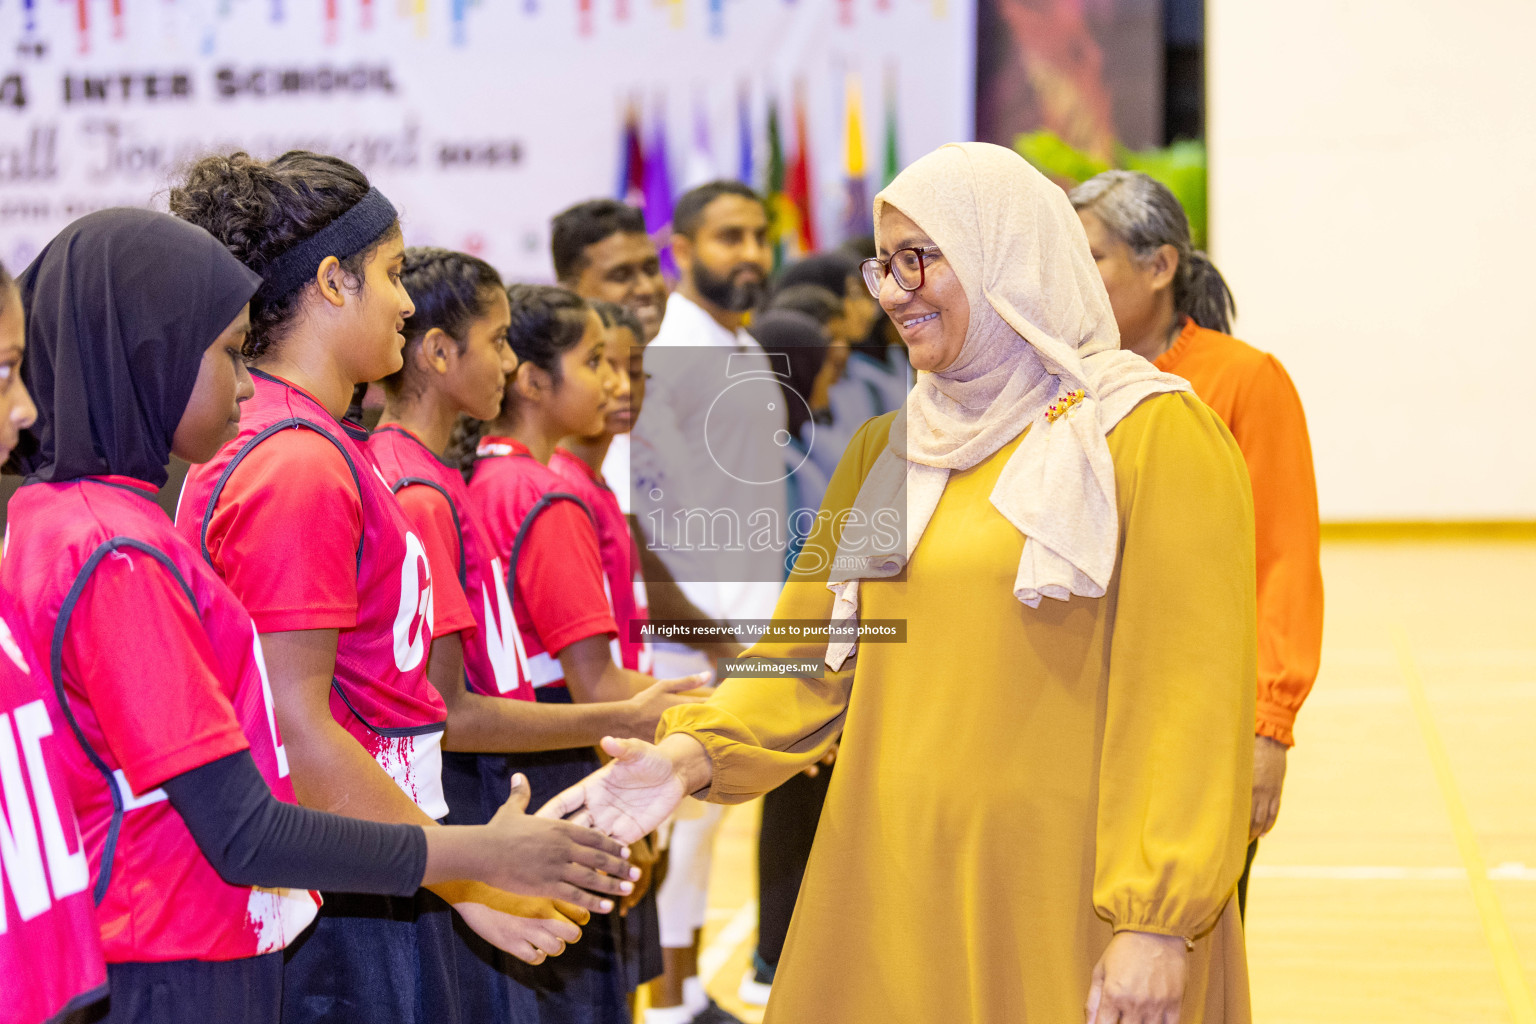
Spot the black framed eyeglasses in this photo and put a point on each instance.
(906, 265)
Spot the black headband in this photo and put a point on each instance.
(345, 236)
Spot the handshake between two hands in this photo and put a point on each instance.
(627, 798)
(572, 857)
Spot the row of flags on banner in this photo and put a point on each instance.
(587, 13)
(277, 11)
(784, 175)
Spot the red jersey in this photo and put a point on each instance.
(158, 672)
(559, 596)
(50, 950)
(295, 516)
(621, 558)
(469, 590)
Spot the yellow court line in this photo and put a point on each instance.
(1419, 531)
(1516, 991)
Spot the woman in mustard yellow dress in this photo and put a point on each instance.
(1041, 801)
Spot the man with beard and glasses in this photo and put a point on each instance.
(714, 508)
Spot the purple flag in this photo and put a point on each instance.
(658, 192)
(744, 167)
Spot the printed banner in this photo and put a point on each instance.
(479, 119)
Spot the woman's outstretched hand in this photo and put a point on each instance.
(1138, 980)
(626, 798)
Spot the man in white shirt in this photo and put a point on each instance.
(602, 252)
(721, 419)
(719, 519)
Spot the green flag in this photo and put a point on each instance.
(892, 149)
(780, 210)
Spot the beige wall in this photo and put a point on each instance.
(1373, 205)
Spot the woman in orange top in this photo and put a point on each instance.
(1174, 308)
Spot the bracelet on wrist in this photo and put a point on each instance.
(1189, 943)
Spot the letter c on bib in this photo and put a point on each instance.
(413, 622)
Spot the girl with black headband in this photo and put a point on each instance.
(296, 517)
(199, 861)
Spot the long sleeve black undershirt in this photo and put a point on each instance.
(252, 838)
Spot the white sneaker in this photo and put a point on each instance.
(752, 991)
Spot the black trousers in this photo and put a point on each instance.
(1242, 883)
(248, 991)
(790, 814)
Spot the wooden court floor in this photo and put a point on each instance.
(1400, 883)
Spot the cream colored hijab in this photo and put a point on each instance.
(1040, 328)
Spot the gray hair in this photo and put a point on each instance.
(1141, 212)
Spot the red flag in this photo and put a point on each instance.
(797, 183)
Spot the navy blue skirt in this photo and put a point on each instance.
(381, 959)
(640, 942)
(489, 990)
(589, 982)
(247, 991)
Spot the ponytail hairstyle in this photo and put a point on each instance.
(1141, 212)
(355, 411)
(262, 209)
(463, 441)
(547, 322)
(451, 290)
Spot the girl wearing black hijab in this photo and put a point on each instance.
(199, 862)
